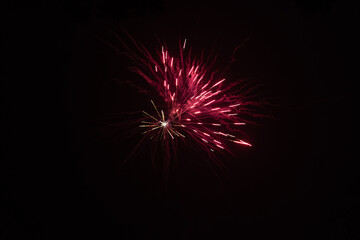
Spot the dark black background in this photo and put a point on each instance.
(60, 175)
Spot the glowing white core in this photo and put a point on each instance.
(164, 124)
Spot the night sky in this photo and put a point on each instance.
(61, 86)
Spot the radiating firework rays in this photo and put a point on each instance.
(196, 103)
(159, 126)
(194, 100)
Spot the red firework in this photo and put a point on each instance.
(197, 102)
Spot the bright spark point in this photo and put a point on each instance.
(164, 124)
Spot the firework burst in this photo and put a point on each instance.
(197, 102)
